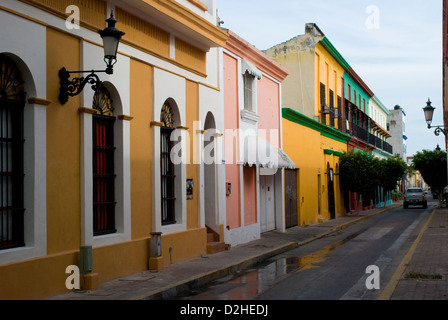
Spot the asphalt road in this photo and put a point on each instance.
(332, 268)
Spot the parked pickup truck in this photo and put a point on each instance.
(415, 196)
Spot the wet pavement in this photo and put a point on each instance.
(187, 276)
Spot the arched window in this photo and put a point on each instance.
(12, 102)
(167, 169)
(103, 164)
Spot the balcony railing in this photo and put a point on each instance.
(365, 136)
(359, 132)
(387, 147)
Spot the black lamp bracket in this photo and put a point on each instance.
(71, 88)
(439, 130)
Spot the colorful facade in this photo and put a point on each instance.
(97, 187)
(196, 141)
(313, 126)
(252, 120)
(324, 88)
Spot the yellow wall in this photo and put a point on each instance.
(192, 169)
(305, 147)
(45, 276)
(63, 149)
(36, 278)
(184, 245)
(111, 262)
(329, 72)
(141, 177)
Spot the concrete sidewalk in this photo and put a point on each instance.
(186, 275)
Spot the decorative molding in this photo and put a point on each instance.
(19, 14)
(182, 128)
(249, 116)
(334, 53)
(199, 4)
(87, 110)
(94, 12)
(360, 82)
(244, 49)
(125, 117)
(157, 124)
(324, 130)
(40, 101)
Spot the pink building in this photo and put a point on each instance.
(251, 87)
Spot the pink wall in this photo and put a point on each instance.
(231, 116)
(268, 97)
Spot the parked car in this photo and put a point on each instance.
(415, 197)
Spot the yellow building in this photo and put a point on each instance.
(314, 131)
(319, 196)
(90, 188)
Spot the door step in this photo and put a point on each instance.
(213, 243)
(215, 247)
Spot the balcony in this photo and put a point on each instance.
(365, 136)
(359, 132)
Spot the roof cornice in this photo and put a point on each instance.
(360, 82)
(244, 49)
(334, 53)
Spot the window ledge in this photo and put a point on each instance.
(249, 116)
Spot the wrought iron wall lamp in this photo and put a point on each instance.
(111, 38)
(429, 113)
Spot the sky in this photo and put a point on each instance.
(394, 46)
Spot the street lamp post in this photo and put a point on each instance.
(111, 38)
(429, 114)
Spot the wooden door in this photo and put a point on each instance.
(290, 198)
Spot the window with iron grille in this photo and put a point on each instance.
(332, 111)
(103, 165)
(12, 102)
(323, 102)
(167, 169)
(340, 125)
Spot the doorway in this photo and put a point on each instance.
(290, 198)
(267, 203)
(330, 184)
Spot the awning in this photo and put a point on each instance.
(284, 161)
(259, 152)
(251, 69)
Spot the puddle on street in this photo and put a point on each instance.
(247, 284)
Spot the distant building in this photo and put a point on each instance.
(414, 179)
(396, 123)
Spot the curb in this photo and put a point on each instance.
(176, 289)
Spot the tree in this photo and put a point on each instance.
(391, 171)
(358, 171)
(433, 168)
(362, 172)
